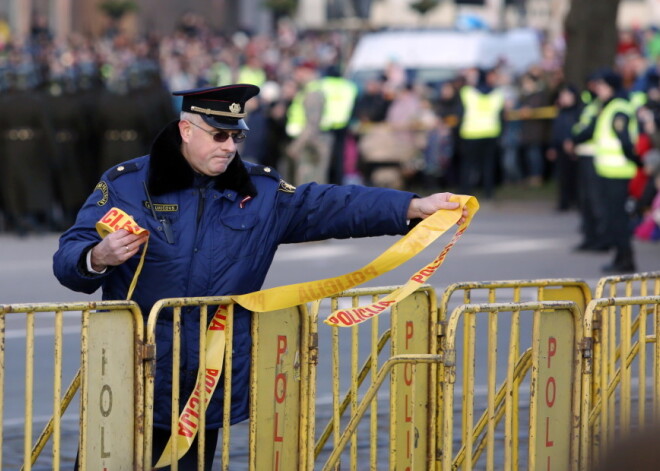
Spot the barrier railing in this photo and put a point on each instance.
(590, 382)
(411, 365)
(623, 334)
(280, 360)
(109, 379)
(554, 367)
(636, 284)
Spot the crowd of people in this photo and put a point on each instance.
(71, 110)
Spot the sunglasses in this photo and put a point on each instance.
(222, 136)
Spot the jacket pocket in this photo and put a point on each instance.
(239, 235)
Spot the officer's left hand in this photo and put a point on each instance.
(421, 208)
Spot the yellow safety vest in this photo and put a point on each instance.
(589, 112)
(340, 96)
(481, 116)
(610, 160)
(295, 116)
(252, 76)
(637, 100)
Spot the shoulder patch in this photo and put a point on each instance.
(121, 170)
(286, 187)
(265, 171)
(103, 186)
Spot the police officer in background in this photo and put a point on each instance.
(68, 127)
(592, 220)
(215, 223)
(27, 145)
(480, 126)
(614, 131)
(307, 125)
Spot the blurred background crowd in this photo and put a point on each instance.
(70, 110)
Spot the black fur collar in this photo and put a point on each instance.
(169, 171)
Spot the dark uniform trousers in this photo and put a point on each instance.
(614, 195)
(592, 211)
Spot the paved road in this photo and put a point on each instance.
(523, 239)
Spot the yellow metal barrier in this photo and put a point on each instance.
(553, 365)
(411, 364)
(111, 405)
(279, 384)
(622, 333)
(515, 291)
(637, 284)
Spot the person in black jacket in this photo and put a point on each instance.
(560, 150)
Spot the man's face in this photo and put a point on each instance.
(202, 150)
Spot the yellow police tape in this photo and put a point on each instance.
(189, 418)
(114, 220)
(420, 237)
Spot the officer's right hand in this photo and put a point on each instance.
(116, 248)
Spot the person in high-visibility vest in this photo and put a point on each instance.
(308, 126)
(614, 131)
(479, 129)
(340, 94)
(591, 219)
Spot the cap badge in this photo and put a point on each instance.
(235, 108)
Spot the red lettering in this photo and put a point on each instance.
(184, 432)
(115, 223)
(552, 348)
(281, 347)
(280, 379)
(551, 381)
(212, 372)
(333, 320)
(344, 318)
(193, 412)
(194, 400)
(276, 437)
(216, 324)
(417, 278)
(548, 442)
(109, 215)
(185, 420)
(407, 412)
(277, 460)
(409, 333)
(548, 468)
(407, 374)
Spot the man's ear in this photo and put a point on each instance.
(185, 129)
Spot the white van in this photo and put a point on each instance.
(433, 56)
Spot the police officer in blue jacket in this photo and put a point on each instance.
(215, 223)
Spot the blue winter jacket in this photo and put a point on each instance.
(225, 231)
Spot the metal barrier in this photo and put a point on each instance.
(515, 291)
(279, 375)
(637, 284)
(583, 378)
(411, 365)
(554, 366)
(622, 333)
(110, 381)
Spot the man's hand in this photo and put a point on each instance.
(116, 248)
(421, 208)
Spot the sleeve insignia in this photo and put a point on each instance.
(103, 186)
(286, 187)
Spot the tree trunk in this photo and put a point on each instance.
(591, 38)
